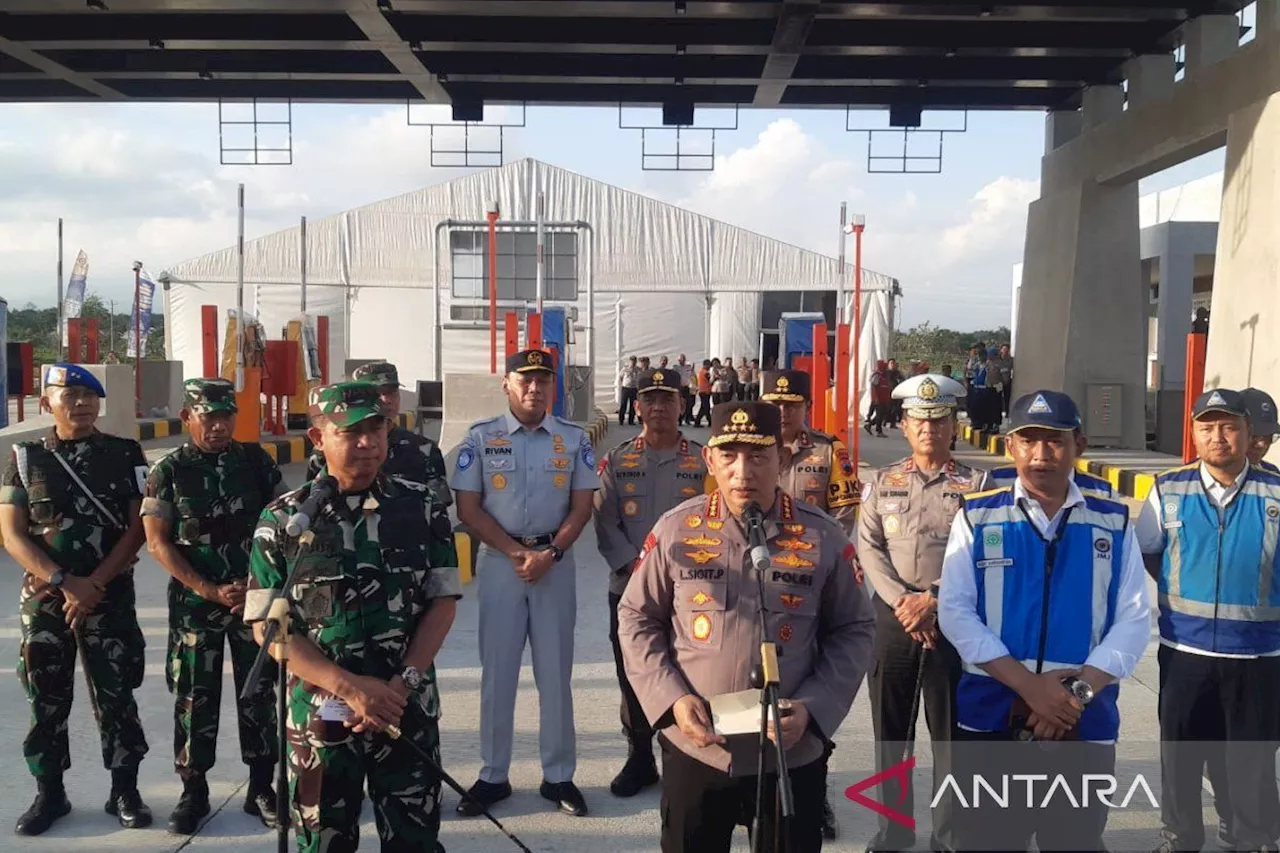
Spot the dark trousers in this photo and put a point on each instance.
(634, 723)
(1219, 711)
(704, 409)
(701, 806)
(627, 408)
(1055, 822)
(893, 685)
(687, 395)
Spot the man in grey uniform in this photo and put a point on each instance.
(903, 527)
(640, 480)
(524, 482)
(689, 628)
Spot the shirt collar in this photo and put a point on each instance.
(514, 425)
(1074, 496)
(1210, 483)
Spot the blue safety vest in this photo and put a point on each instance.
(1049, 600)
(1219, 586)
(1005, 475)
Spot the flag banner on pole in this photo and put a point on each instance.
(73, 300)
(146, 294)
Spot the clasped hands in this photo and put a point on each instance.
(531, 565)
(917, 612)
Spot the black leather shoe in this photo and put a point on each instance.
(129, 809)
(638, 773)
(261, 803)
(830, 826)
(49, 805)
(881, 844)
(487, 793)
(566, 796)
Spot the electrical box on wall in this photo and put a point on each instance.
(1103, 414)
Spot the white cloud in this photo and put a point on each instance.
(996, 217)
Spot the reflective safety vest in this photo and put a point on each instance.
(1218, 584)
(1005, 475)
(1049, 600)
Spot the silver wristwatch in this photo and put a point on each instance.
(56, 579)
(411, 678)
(1079, 688)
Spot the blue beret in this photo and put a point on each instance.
(72, 376)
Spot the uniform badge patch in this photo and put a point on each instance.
(629, 488)
(794, 544)
(1273, 512)
(892, 525)
(630, 465)
(498, 481)
(700, 598)
(896, 479)
(701, 627)
(466, 456)
(702, 556)
(715, 525)
(789, 559)
(793, 528)
(560, 480)
(702, 541)
(993, 538)
(692, 521)
(785, 633)
(650, 542)
(850, 556)
(791, 602)
(560, 463)
(630, 508)
(688, 491)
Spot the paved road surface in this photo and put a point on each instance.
(614, 824)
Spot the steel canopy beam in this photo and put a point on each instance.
(795, 19)
(378, 29)
(25, 54)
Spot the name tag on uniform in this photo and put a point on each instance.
(992, 564)
(1171, 525)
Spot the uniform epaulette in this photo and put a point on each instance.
(822, 436)
(485, 422)
(617, 448)
(892, 467)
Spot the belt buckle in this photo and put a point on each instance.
(529, 541)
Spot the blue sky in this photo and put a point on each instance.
(144, 182)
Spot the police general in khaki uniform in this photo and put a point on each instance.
(906, 515)
(640, 480)
(689, 628)
(816, 467)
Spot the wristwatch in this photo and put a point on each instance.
(56, 579)
(558, 552)
(411, 678)
(1079, 688)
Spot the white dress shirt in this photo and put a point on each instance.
(1120, 648)
(1152, 539)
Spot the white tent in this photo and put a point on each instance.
(650, 277)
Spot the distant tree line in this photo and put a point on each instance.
(939, 346)
(39, 327)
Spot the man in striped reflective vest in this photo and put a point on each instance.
(999, 478)
(1044, 597)
(1209, 533)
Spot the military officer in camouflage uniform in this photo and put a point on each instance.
(640, 480)
(69, 516)
(816, 467)
(689, 628)
(409, 455)
(201, 505)
(904, 523)
(375, 597)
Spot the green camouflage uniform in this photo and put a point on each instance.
(409, 455)
(213, 501)
(67, 526)
(367, 578)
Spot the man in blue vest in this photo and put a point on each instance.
(1003, 476)
(1209, 533)
(1044, 597)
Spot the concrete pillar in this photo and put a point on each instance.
(1060, 127)
(1244, 348)
(1101, 104)
(1150, 78)
(1209, 39)
(1267, 19)
(1082, 309)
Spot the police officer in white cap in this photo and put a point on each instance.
(907, 510)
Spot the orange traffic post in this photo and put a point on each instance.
(209, 339)
(533, 331)
(512, 329)
(839, 427)
(249, 402)
(1196, 349)
(819, 376)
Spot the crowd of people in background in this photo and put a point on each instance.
(703, 386)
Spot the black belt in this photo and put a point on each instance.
(535, 541)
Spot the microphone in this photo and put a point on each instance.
(323, 490)
(759, 554)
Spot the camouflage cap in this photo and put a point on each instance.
(209, 395)
(347, 403)
(378, 372)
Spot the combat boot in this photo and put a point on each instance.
(125, 802)
(638, 773)
(50, 804)
(192, 806)
(260, 799)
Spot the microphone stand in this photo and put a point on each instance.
(766, 679)
(276, 632)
